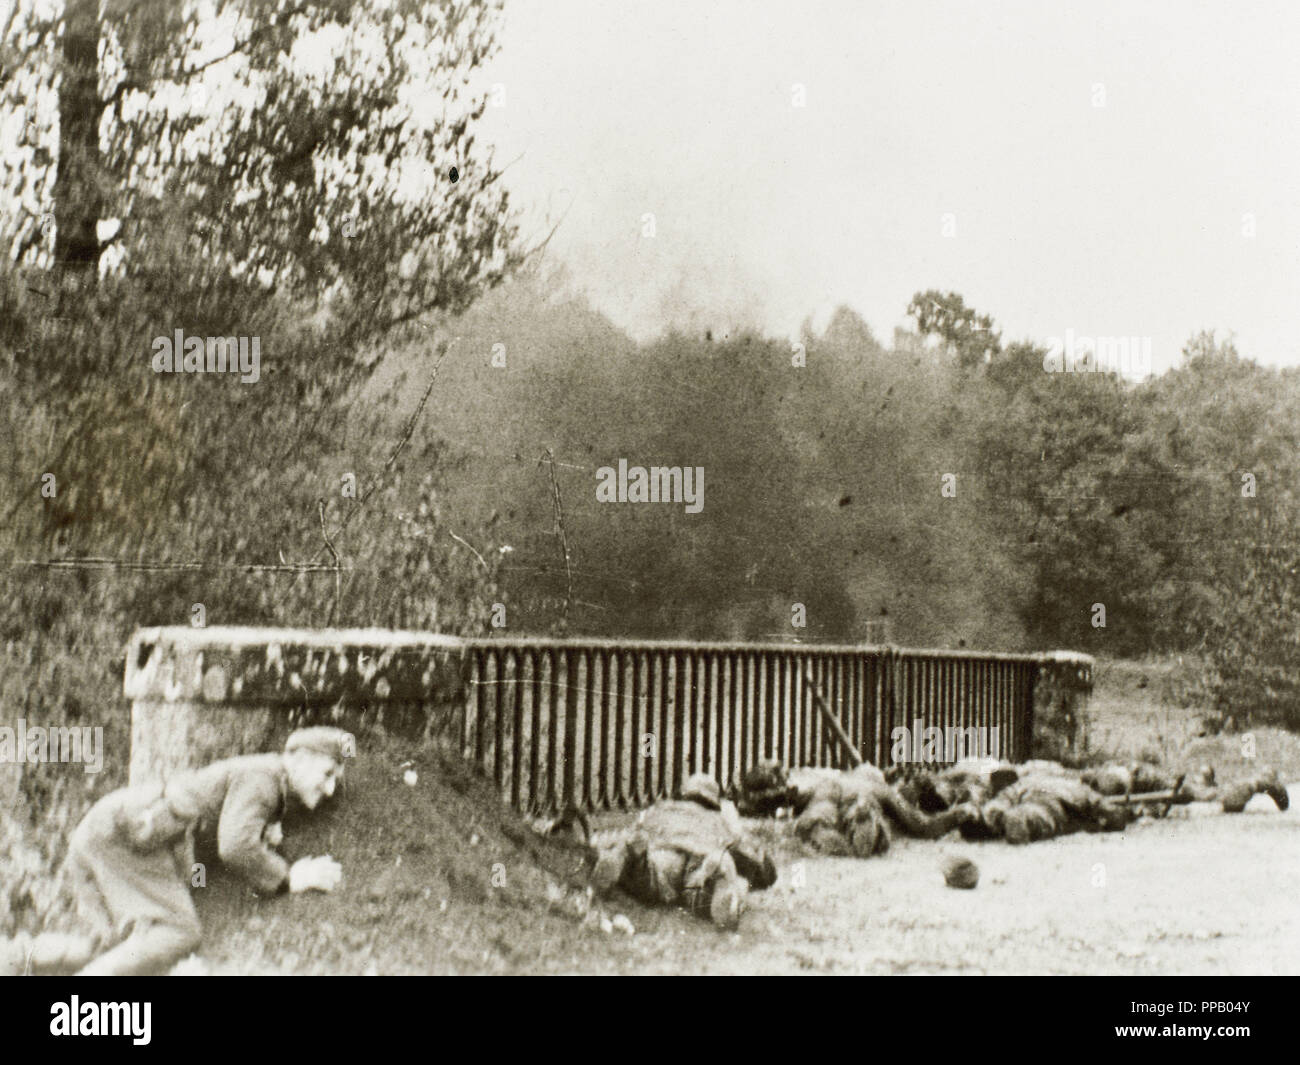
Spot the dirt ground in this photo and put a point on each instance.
(1198, 893)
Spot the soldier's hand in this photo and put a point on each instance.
(315, 874)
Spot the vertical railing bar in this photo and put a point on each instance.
(940, 706)
(708, 749)
(999, 695)
(476, 737)
(844, 683)
(727, 679)
(654, 710)
(636, 764)
(825, 757)
(678, 712)
(1027, 709)
(835, 702)
(858, 689)
(618, 787)
(955, 690)
(521, 751)
(602, 801)
(573, 695)
(790, 671)
(698, 746)
(668, 723)
(536, 737)
(986, 709)
(767, 703)
(588, 715)
(1008, 701)
(498, 723)
(794, 693)
(921, 665)
(844, 667)
(968, 700)
(858, 734)
(718, 708)
(812, 749)
(747, 685)
(996, 670)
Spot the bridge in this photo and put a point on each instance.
(602, 724)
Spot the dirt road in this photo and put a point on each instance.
(1200, 892)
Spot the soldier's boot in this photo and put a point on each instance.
(714, 889)
(1234, 798)
(1272, 786)
(1015, 826)
(868, 834)
(610, 863)
(728, 903)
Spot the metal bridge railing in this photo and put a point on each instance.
(606, 724)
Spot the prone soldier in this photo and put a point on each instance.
(691, 851)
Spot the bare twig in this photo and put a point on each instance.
(281, 20)
(470, 546)
(444, 347)
(164, 567)
(562, 535)
(338, 590)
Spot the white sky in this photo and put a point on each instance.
(1125, 219)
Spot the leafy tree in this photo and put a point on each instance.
(298, 163)
(970, 335)
(1066, 487)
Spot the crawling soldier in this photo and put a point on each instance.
(129, 860)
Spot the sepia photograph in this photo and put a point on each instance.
(649, 488)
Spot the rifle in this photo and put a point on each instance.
(1154, 802)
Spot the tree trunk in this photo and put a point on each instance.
(77, 200)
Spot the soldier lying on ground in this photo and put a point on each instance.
(130, 859)
(1046, 801)
(1125, 779)
(1039, 800)
(691, 851)
(765, 790)
(850, 813)
(971, 781)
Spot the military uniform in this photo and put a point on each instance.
(130, 859)
(1201, 787)
(1043, 804)
(850, 813)
(1040, 800)
(692, 852)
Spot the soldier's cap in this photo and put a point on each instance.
(320, 739)
(703, 789)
